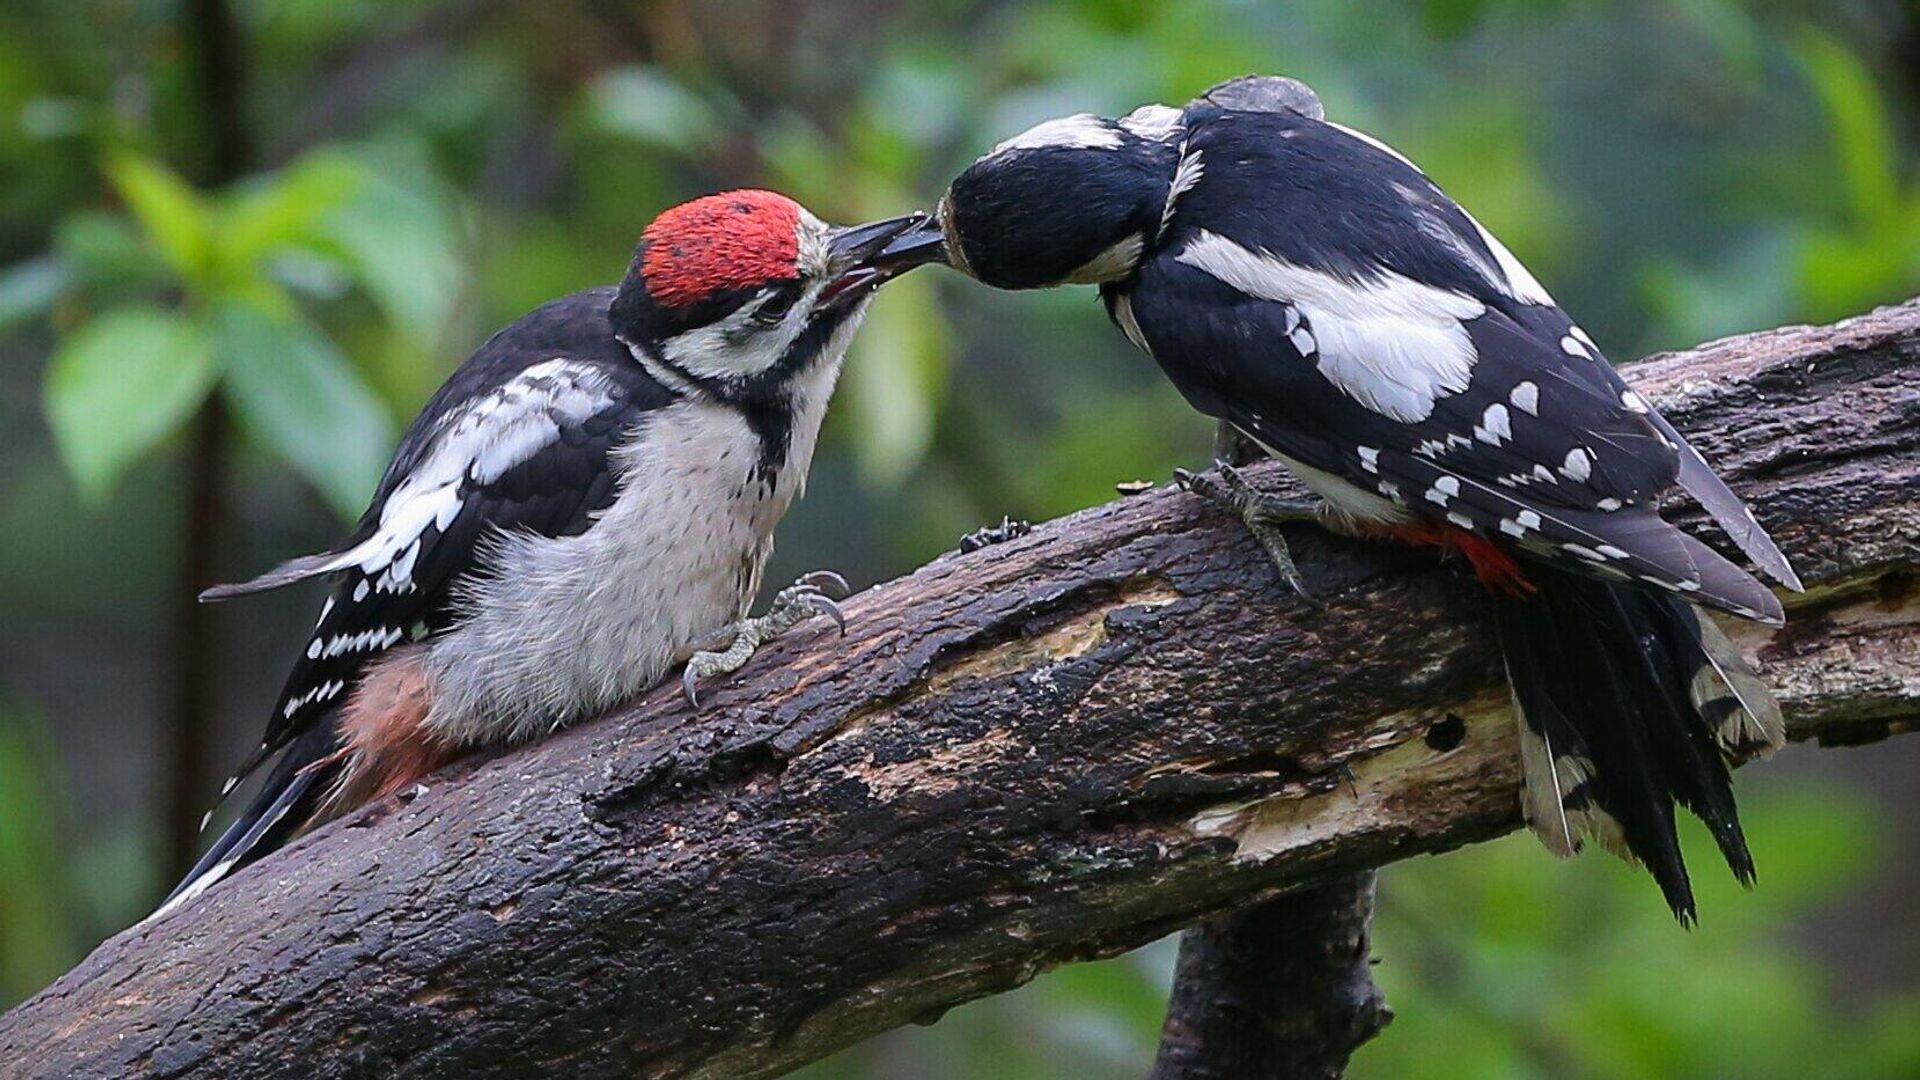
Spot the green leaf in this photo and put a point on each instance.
(104, 249)
(285, 209)
(398, 236)
(297, 392)
(175, 216)
(119, 385)
(642, 102)
(1863, 138)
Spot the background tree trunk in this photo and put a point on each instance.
(1053, 749)
(1283, 988)
(187, 784)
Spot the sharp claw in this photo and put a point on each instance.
(827, 582)
(824, 605)
(688, 681)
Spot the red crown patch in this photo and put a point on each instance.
(733, 240)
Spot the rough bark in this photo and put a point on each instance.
(1054, 749)
(1281, 989)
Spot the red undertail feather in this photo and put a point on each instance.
(385, 743)
(1496, 568)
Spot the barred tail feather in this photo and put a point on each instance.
(1746, 718)
(285, 803)
(287, 573)
(1628, 701)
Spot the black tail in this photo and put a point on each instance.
(1630, 701)
(286, 801)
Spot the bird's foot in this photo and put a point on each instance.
(988, 535)
(1263, 513)
(729, 650)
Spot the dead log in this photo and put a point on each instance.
(1054, 749)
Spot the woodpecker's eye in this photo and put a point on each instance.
(774, 309)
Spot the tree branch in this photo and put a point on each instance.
(1054, 749)
(1281, 989)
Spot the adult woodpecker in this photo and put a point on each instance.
(588, 501)
(1311, 287)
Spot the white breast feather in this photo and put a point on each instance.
(560, 628)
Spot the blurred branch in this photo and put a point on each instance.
(1054, 749)
(1278, 990)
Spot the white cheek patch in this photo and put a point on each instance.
(1080, 131)
(739, 345)
(1391, 343)
(1115, 262)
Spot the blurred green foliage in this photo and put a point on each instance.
(202, 292)
(428, 170)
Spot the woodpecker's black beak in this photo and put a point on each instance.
(852, 258)
(917, 245)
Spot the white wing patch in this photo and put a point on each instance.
(480, 443)
(1154, 122)
(1391, 343)
(1082, 130)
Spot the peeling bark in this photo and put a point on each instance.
(1054, 749)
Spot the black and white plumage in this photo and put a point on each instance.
(590, 496)
(1313, 288)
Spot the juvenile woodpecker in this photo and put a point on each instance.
(588, 501)
(1311, 287)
